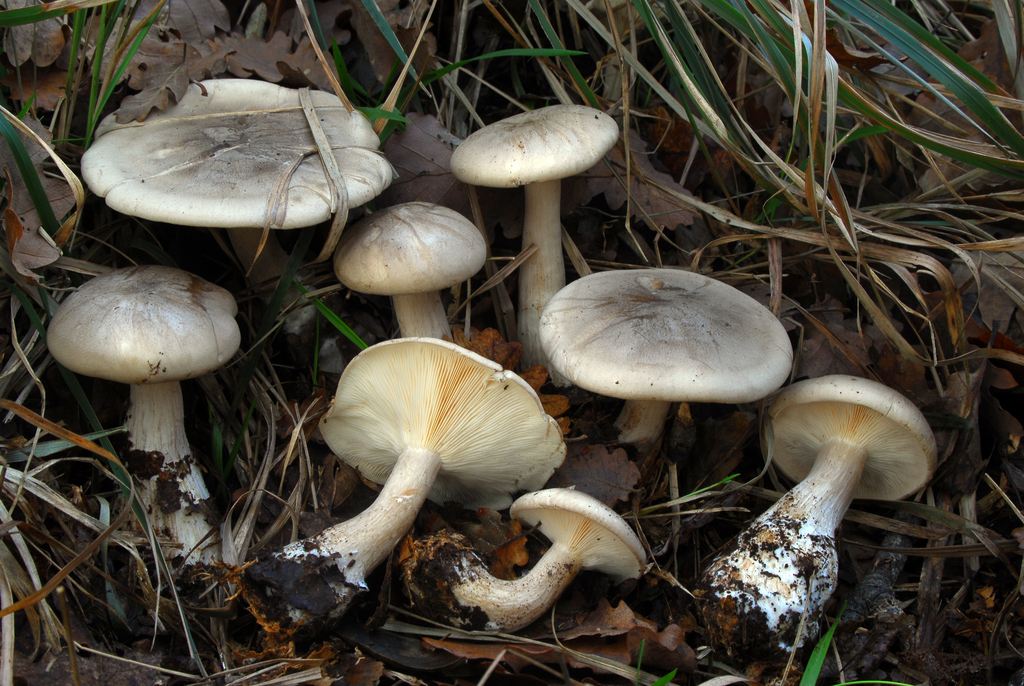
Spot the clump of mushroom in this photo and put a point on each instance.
(658, 336)
(410, 252)
(842, 437)
(448, 582)
(428, 419)
(152, 327)
(537, 149)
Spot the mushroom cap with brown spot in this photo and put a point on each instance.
(145, 324)
(593, 531)
(487, 425)
(899, 443)
(545, 144)
(664, 334)
(414, 247)
(220, 156)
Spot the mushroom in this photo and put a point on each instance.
(841, 437)
(151, 327)
(658, 336)
(428, 419)
(237, 154)
(537, 149)
(447, 581)
(410, 252)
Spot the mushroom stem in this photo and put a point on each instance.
(785, 563)
(543, 274)
(641, 422)
(173, 492)
(310, 583)
(511, 605)
(421, 315)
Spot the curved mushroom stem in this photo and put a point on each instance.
(421, 315)
(785, 564)
(173, 492)
(641, 422)
(309, 584)
(543, 274)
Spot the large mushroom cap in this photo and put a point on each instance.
(540, 145)
(600, 537)
(487, 425)
(415, 247)
(664, 334)
(218, 157)
(145, 324)
(899, 442)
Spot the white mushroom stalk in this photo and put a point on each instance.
(850, 438)
(151, 327)
(429, 420)
(537, 149)
(447, 581)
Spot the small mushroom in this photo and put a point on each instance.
(428, 419)
(842, 437)
(447, 581)
(410, 252)
(152, 327)
(237, 154)
(537, 149)
(658, 336)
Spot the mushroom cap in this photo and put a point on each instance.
(487, 425)
(583, 523)
(415, 247)
(217, 157)
(545, 144)
(899, 442)
(664, 334)
(145, 324)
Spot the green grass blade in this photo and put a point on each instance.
(331, 317)
(29, 176)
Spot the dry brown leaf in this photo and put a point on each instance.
(198, 20)
(616, 650)
(303, 68)
(608, 476)
(662, 650)
(254, 56)
(162, 85)
(58, 192)
(47, 85)
(40, 41)
(489, 343)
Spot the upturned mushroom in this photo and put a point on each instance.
(537, 149)
(841, 437)
(428, 419)
(410, 252)
(657, 336)
(448, 582)
(238, 154)
(152, 327)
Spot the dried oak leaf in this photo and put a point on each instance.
(255, 56)
(608, 476)
(41, 41)
(489, 343)
(198, 20)
(46, 84)
(303, 68)
(163, 84)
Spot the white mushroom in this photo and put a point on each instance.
(843, 437)
(537, 149)
(152, 327)
(410, 252)
(236, 154)
(428, 419)
(446, 580)
(658, 336)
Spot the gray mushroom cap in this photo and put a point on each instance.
(415, 247)
(665, 334)
(145, 324)
(540, 145)
(218, 157)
